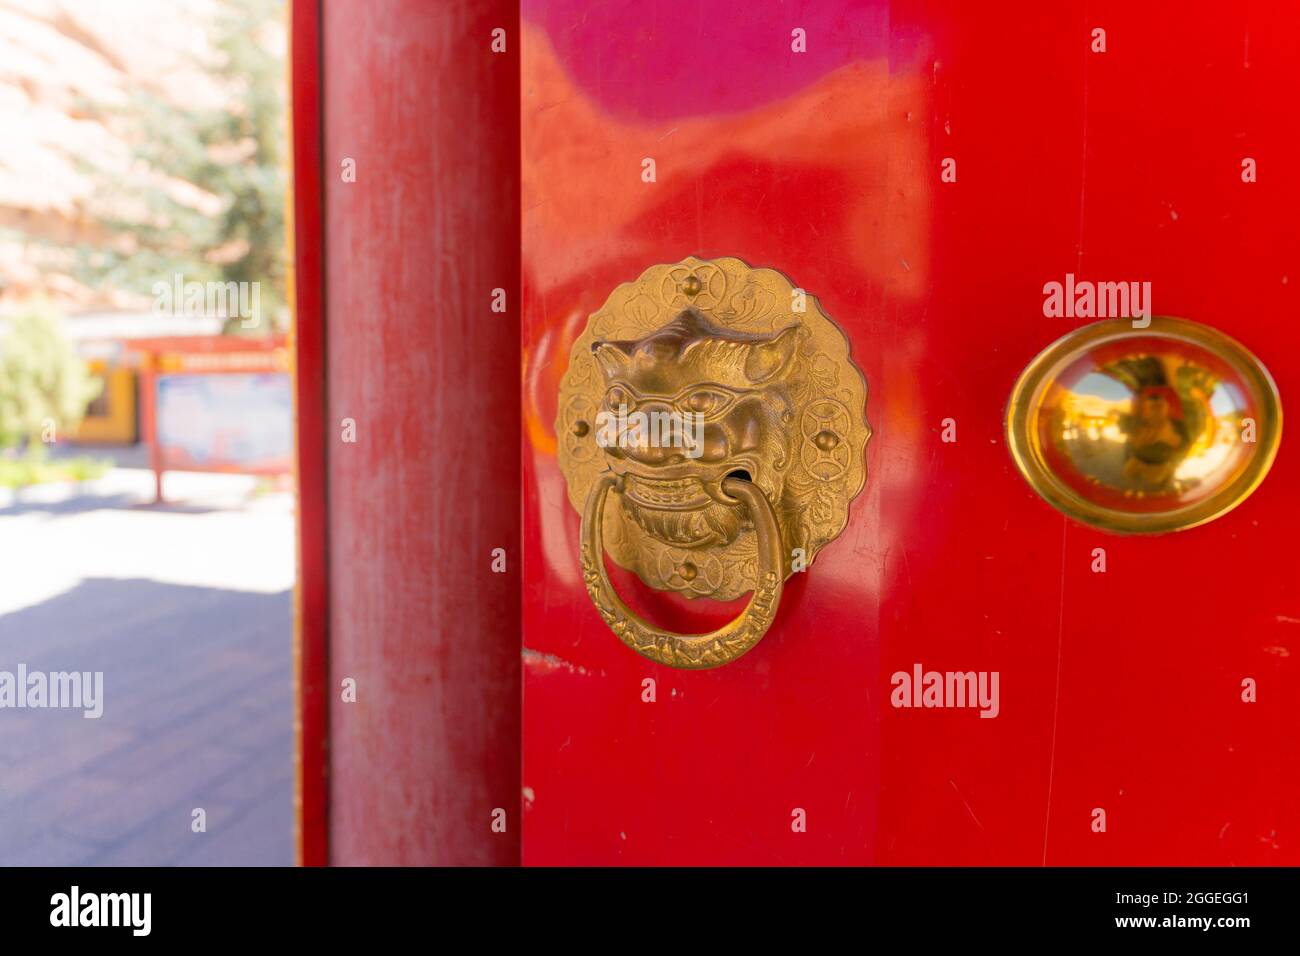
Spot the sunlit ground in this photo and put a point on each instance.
(186, 608)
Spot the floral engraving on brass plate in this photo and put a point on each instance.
(781, 403)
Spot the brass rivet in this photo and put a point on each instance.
(580, 428)
(691, 285)
(826, 440)
(688, 571)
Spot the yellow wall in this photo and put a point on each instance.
(118, 425)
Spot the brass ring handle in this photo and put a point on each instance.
(694, 651)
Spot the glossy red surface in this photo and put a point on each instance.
(1119, 690)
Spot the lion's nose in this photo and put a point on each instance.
(650, 453)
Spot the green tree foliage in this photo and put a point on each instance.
(234, 153)
(42, 380)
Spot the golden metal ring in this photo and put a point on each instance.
(693, 651)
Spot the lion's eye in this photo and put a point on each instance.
(617, 396)
(706, 401)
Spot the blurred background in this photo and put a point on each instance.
(146, 504)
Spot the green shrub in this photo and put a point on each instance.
(35, 469)
(44, 385)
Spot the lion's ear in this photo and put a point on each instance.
(613, 360)
(770, 360)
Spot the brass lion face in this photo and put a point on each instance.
(697, 372)
(724, 398)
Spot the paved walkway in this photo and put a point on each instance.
(186, 609)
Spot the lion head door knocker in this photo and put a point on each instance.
(720, 406)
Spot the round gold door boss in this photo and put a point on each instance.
(1144, 430)
(711, 429)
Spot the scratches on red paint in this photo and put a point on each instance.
(1083, 162)
(979, 826)
(953, 784)
(540, 663)
(1056, 705)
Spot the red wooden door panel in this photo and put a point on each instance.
(1118, 690)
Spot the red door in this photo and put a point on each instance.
(923, 170)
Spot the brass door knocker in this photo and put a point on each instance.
(720, 405)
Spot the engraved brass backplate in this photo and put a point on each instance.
(1144, 430)
(760, 381)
